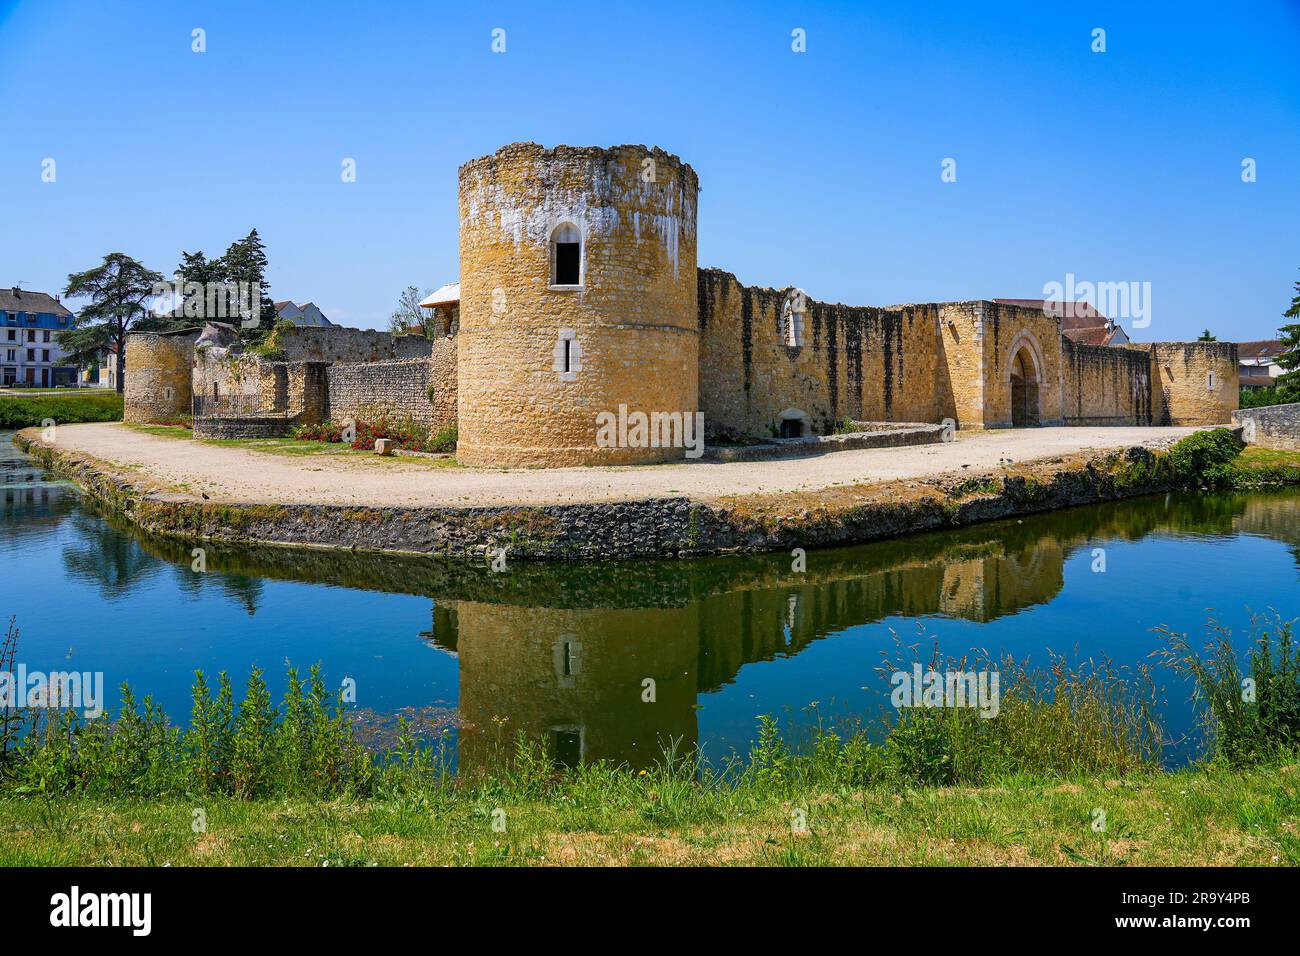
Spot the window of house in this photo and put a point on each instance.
(45, 355)
(31, 355)
(566, 256)
(13, 335)
(31, 335)
(45, 336)
(1209, 381)
(12, 356)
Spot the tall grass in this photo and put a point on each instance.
(1066, 719)
(1252, 714)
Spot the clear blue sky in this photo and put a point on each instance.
(819, 169)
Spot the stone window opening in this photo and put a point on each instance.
(793, 424)
(793, 315)
(1209, 381)
(568, 355)
(567, 747)
(566, 256)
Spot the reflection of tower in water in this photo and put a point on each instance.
(575, 679)
(624, 684)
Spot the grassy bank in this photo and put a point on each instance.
(1207, 817)
(1066, 772)
(65, 408)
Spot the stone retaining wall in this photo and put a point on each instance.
(659, 527)
(1273, 426)
(242, 426)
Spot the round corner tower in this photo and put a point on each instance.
(578, 304)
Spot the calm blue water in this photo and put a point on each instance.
(565, 650)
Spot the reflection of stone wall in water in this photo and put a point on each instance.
(574, 679)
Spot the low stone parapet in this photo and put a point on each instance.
(879, 435)
(242, 426)
(1271, 426)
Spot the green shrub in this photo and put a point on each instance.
(1205, 457)
(27, 411)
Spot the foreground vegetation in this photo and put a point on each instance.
(1067, 772)
(64, 408)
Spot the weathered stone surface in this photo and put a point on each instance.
(632, 318)
(1274, 426)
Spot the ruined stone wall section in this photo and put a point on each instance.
(860, 363)
(962, 371)
(632, 320)
(442, 384)
(157, 381)
(1106, 386)
(339, 344)
(1272, 426)
(1187, 395)
(371, 391)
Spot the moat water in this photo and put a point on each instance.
(563, 651)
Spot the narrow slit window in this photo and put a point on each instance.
(1209, 381)
(566, 255)
(568, 355)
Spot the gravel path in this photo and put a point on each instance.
(238, 475)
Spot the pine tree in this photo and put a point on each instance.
(118, 289)
(245, 261)
(1288, 385)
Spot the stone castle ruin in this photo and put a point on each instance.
(581, 300)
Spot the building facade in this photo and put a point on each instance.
(29, 351)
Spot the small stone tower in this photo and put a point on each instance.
(157, 381)
(578, 296)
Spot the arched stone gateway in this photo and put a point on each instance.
(1025, 381)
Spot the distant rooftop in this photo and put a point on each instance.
(24, 300)
(444, 295)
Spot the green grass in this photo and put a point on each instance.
(65, 408)
(294, 447)
(36, 389)
(598, 816)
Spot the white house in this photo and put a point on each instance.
(306, 314)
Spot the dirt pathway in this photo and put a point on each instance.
(239, 475)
